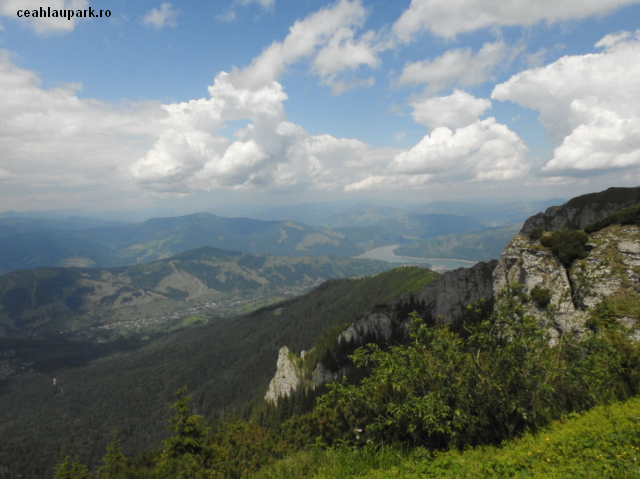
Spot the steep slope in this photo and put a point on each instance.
(224, 363)
(611, 273)
(578, 212)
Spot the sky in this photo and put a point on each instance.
(188, 106)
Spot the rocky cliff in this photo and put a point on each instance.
(287, 378)
(582, 210)
(612, 271)
(448, 296)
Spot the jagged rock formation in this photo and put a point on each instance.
(287, 378)
(448, 296)
(527, 262)
(378, 325)
(612, 270)
(582, 210)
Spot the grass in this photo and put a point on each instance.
(601, 443)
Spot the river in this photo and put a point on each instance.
(385, 253)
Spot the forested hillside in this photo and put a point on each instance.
(224, 363)
(559, 340)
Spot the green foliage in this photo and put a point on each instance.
(71, 469)
(189, 430)
(224, 363)
(540, 296)
(602, 443)
(536, 233)
(567, 245)
(443, 391)
(628, 216)
(114, 464)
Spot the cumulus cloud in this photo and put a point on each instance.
(456, 67)
(43, 25)
(447, 18)
(55, 140)
(331, 28)
(165, 16)
(482, 151)
(343, 53)
(192, 154)
(589, 103)
(456, 110)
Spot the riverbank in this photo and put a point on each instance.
(385, 253)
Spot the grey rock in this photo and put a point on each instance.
(454, 290)
(287, 377)
(583, 210)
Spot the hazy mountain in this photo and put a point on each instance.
(22, 246)
(49, 300)
(479, 245)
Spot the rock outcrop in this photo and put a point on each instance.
(611, 271)
(583, 210)
(287, 378)
(454, 290)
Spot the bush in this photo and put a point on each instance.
(567, 245)
(541, 296)
(536, 233)
(629, 216)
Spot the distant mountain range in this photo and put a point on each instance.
(30, 243)
(47, 301)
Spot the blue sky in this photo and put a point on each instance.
(187, 105)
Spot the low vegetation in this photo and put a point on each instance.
(566, 245)
(422, 403)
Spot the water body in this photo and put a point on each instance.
(385, 253)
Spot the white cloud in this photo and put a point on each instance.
(193, 155)
(587, 102)
(52, 140)
(264, 3)
(165, 16)
(331, 30)
(456, 110)
(43, 25)
(342, 53)
(456, 67)
(448, 18)
(482, 151)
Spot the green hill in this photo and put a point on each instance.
(224, 363)
(153, 296)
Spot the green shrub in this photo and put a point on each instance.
(629, 216)
(536, 233)
(541, 296)
(603, 443)
(567, 245)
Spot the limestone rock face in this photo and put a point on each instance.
(376, 324)
(528, 263)
(612, 270)
(286, 379)
(582, 210)
(454, 290)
